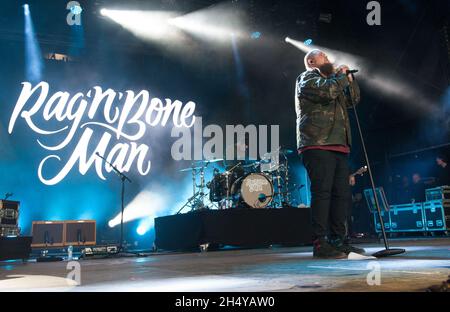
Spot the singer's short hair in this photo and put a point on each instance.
(310, 55)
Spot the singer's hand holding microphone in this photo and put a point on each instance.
(345, 70)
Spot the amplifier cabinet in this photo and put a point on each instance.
(48, 234)
(63, 233)
(80, 233)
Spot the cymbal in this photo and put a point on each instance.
(190, 169)
(286, 151)
(209, 161)
(253, 164)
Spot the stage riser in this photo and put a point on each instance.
(234, 227)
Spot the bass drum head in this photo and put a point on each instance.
(255, 190)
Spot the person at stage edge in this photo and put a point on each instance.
(444, 172)
(323, 95)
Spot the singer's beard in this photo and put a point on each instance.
(327, 69)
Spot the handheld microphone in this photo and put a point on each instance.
(352, 71)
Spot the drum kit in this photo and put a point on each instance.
(244, 184)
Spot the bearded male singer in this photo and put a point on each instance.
(323, 95)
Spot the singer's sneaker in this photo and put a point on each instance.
(345, 247)
(322, 249)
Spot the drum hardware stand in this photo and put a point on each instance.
(286, 180)
(201, 201)
(387, 251)
(197, 200)
(194, 179)
(193, 202)
(214, 204)
(228, 202)
(280, 195)
(283, 197)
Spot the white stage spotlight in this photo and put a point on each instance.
(146, 204)
(217, 23)
(203, 29)
(33, 57)
(377, 78)
(143, 24)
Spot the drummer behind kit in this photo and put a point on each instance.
(244, 184)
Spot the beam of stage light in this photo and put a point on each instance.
(152, 25)
(144, 226)
(377, 78)
(33, 56)
(334, 56)
(240, 74)
(77, 38)
(160, 200)
(216, 23)
(146, 204)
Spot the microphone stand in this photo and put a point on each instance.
(123, 178)
(387, 251)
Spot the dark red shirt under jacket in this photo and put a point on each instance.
(332, 148)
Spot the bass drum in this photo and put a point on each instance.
(254, 190)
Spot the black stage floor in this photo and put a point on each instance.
(426, 262)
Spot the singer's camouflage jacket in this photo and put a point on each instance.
(321, 105)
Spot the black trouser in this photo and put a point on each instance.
(330, 190)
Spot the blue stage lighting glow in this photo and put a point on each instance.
(308, 42)
(33, 58)
(26, 9)
(142, 229)
(76, 9)
(256, 35)
(145, 225)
